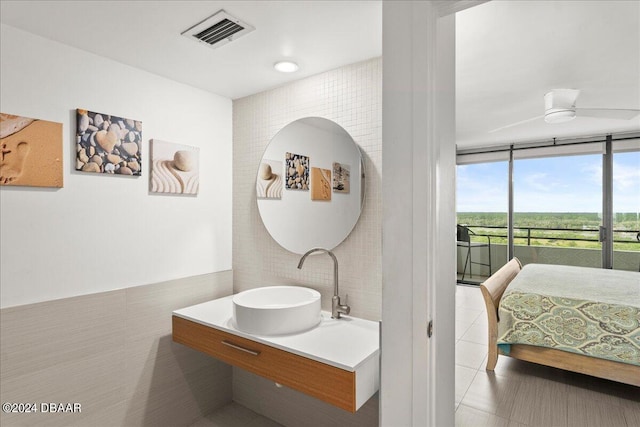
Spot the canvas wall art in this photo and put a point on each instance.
(269, 180)
(320, 184)
(175, 168)
(31, 152)
(341, 177)
(297, 171)
(108, 144)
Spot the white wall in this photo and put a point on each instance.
(418, 222)
(100, 233)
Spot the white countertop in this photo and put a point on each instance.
(345, 343)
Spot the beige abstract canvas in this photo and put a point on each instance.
(31, 152)
(175, 168)
(269, 180)
(341, 178)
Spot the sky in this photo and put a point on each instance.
(555, 184)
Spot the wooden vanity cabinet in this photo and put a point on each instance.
(325, 382)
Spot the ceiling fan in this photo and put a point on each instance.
(560, 106)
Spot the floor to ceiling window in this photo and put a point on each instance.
(560, 194)
(558, 210)
(481, 205)
(626, 210)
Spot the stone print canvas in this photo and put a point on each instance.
(108, 144)
(175, 168)
(320, 184)
(341, 177)
(269, 180)
(31, 152)
(297, 171)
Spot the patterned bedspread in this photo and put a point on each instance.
(589, 311)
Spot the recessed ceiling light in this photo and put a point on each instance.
(286, 66)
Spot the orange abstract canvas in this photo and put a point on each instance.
(320, 184)
(31, 152)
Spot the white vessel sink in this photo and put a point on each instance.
(276, 310)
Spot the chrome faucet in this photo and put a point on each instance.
(336, 307)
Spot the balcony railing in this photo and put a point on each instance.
(547, 245)
(631, 237)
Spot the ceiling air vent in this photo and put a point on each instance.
(218, 30)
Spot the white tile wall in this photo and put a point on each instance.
(352, 97)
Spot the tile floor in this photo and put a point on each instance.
(235, 415)
(516, 394)
(525, 394)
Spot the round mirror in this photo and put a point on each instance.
(310, 185)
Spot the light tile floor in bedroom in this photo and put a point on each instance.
(525, 394)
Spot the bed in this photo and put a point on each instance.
(580, 319)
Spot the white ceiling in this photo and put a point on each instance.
(509, 53)
(318, 35)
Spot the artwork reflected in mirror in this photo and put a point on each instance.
(175, 168)
(321, 216)
(341, 180)
(297, 171)
(269, 180)
(320, 184)
(108, 144)
(31, 152)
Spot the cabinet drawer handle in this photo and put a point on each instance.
(237, 347)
